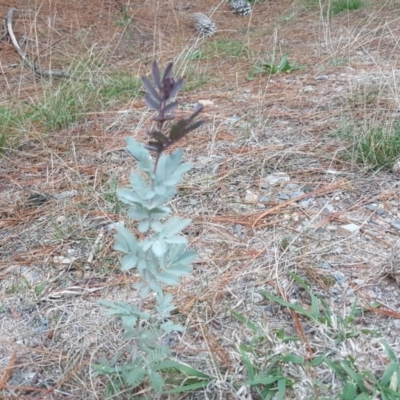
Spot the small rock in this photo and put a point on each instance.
(274, 179)
(63, 260)
(348, 229)
(395, 224)
(339, 277)
(328, 209)
(321, 77)
(396, 168)
(295, 194)
(65, 195)
(308, 89)
(292, 186)
(325, 265)
(61, 219)
(250, 198)
(232, 120)
(206, 103)
(304, 204)
(283, 196)
(263, 199)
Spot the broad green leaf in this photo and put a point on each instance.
(389, 371)
(187, 388)
(247, 362)
(281, 389)
(294, 359)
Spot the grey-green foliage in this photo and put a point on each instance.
(156, 250)
(160, 258)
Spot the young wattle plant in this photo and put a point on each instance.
(158, 252)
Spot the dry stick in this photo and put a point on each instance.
(25, 58)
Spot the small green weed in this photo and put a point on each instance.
(125, 18)
(338, 6)
(224, 49)
(375, 147)
(270, 67)
(11, 125)
(195, 79)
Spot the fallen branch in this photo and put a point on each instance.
(38, 71)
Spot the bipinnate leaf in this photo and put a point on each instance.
(159, 248)
(156, 381)
(128, 196)
(175, 88)
(134, 377)
(155, 71)
(173, 226)
(125, 241)
(129, 261)
(164, 305)
(170, 327)
(122, 309)
(152, 103)
(140, 154)
(168, 71)
(168, 278)
(151, 91)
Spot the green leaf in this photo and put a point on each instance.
(156, 381)
(247, 362)
(389, 352)
(186, 369)
(133, 377)
(187, 388)
(245, 321)
(281, 389)
(294, 359)
(263, 380)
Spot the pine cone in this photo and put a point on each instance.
(204, 26)
(241, 7)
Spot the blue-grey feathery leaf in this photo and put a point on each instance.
(150, 89)
(154, 285)
(128, 196)
(125, 241)
(156, 74)
(174, 225)
(168, 71)
(129, 261)
(176, 88)
(170, 107)
(167, 278)
(170, 327)
(176, 240)
(152, 103)
(159, 248)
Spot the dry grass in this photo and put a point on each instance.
(56, 257)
